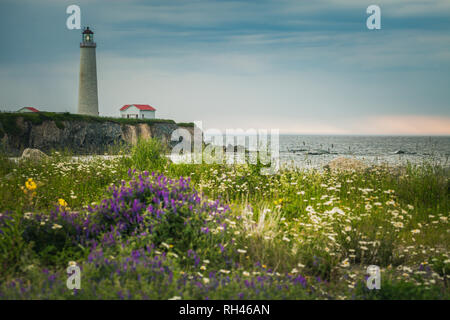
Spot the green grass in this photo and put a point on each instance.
(185, 124)
(326, 226)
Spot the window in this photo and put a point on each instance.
(137, 116)
(128, 116)
(142, 116)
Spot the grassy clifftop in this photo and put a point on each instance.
(8, 121)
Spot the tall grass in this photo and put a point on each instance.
(321, 228)
(149, 154)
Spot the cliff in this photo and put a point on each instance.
(78, 133)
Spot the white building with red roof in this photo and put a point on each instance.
(137, 111)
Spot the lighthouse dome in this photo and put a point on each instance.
(87, 31)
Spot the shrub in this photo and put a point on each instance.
(149, 154)
(401, 290)
(13, 248)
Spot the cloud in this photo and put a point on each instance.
(296, 65)
(407, 125)
(376, 125)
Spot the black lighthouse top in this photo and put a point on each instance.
(87, 38)
(87, 31)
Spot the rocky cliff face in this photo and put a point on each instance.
(81, 137)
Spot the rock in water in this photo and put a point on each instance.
(345, 164)
(403, 152)
(318, 152)
(33, 154)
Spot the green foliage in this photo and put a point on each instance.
(441, 265)
(426, 186)
(186, 124)
(149, 155)
(330, 225)
(6, 165)
(400, 290)
(50, 242)
(14, 250)
(59, 177)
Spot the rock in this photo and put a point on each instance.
(345, 164)
(82, 137)
(33, 154)
(318, 152)
(234, 148)
(297, 150)
(403, 152)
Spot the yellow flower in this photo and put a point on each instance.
(279, 201)
(30, 184)
(62, 202)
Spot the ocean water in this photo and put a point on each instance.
(314, 151)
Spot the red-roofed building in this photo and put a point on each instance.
(137, 111)
(28, 109)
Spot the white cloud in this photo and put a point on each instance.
(235, 64)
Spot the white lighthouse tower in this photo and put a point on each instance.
(87, 90)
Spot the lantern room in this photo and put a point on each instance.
(88, 37)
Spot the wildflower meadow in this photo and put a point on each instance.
(141, 227)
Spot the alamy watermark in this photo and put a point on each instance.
(374, 279)
(236, 146)
(74, 279)
(374, 20)
(74, 20)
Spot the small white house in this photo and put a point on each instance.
(137, 111)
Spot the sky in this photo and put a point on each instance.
(300, 66)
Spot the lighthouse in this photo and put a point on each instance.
(87, 89)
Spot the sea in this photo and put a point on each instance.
(315, 151)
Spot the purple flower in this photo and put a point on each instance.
(204, 230)
(300, 280)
